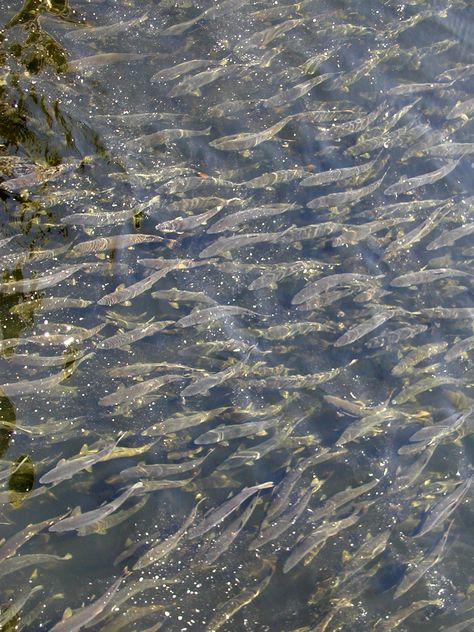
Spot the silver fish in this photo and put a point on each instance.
(209, 314)
(80, 520)
(229, 535)
(87, 614)
(178, 70)
(216, 516)
(248, 140)
(361, 330)
(444, 508)
(231, 222)
(346, 197)
(410, 184)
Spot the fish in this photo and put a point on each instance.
(202, 385)
(99, 220)
(66, 469)
(51, 304)
(417, 234)
(461, 109)
(281, 492)
(395, 336)
(37, 176)
(222, 543)
(80, 520)
(416, 572)
(160, 470)
(51, 279)
(352, 126)
(389, 622)
(182, 421)
(15, 564)
(100, 60)
(178, 70)
(339, 175)
(187, 224)
(101, 244)
(345, 197)
(415, 88)
(101, 527)
(249, 140)
(450, 237)
(227, 432)
(203, 203)
(283, 332)
(85, 615)
(462, 71)
(120, 295)
(193, 84)
(448, 313)
(216, 516)
(150, 486)
(351, 235)
(230, 607)
(271, 179)
(371, 548)
(311, 65)
(41, 385)
(310, 231)
(285, 97)
(426, 276)
(410, 392)
(7, 240)
(214, 11)
(417, 355)
(209, 314)
(225, 245)
(314, 288)
(408, 185)
(361, 330)
(366, 424)
(10, 613)
(318, 538)
(121, 340)
(233, 221)
(284, 521)
(108, 30)
(444, 508)
(128, 394)
(21, 537)
(407, 475)
(278, 273)
(195, 183)
(178, 296)
(449, 150)
(340, 499)
(290, 382)
(165, 136)
(459, 349)
(162, 549)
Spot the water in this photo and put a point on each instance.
(78, 162)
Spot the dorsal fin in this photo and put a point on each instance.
(67, 614)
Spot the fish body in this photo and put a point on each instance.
(216, 516)
(248, 140)
(87, 614)
(408, 185)
(82, 520)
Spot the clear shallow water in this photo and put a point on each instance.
(77, 125)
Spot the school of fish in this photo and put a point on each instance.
(236, 309)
